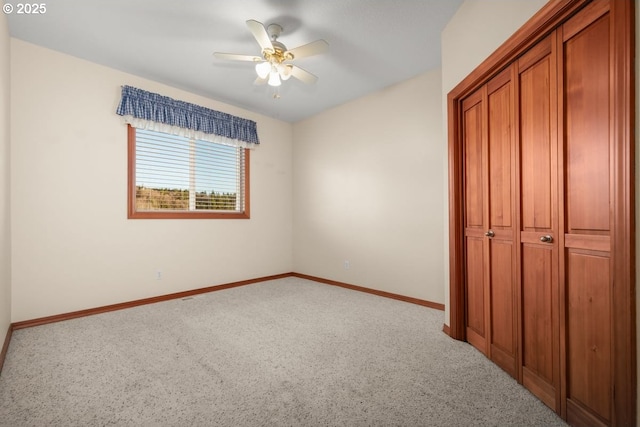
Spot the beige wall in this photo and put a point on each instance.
(477, 29)
(73, 247)
(367, 188)
(5, 224)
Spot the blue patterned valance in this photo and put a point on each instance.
(149, 110)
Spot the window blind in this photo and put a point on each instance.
(184, 174)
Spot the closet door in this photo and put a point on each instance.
(475, 205)
(539, 224)
(502, 221)
(587, 244)
(490, 219)
(567, 239)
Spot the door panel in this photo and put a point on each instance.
(588, 279)
(503, 330)
(538, 335)
(539, 213)
(475, 293)
(502, 284)
(589, 331)
(500, 153)
(473, 166)
(535, 145)
(586, 64)
(475, 226)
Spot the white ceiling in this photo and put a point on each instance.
(373, 44)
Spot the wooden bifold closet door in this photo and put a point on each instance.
(540, 223)
(589, 150)
(541, 211)
(510, 192)
(490, 220)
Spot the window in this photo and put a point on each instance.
(202, 173)
(173, 176)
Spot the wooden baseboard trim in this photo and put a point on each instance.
(144, 301)
(152, 300)
(446, 329)
(411, 300)
(5, 346)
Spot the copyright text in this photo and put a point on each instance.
(25, 8)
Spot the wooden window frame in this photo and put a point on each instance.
(132, 213)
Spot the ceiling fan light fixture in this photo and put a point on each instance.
(274, 79)
(284, 71)
(263, 69)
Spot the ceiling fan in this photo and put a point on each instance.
(273, 66)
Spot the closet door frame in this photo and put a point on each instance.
(623, 233)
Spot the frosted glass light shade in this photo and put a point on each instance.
(274, 79)
(285, 71)
(262, 69)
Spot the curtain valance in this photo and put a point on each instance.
(148, 110)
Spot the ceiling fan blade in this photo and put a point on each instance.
(303, 75)
(259, 81)
(236, 57)
(260, 33)
(313, 48)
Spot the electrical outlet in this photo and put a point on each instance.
(158, 275)
(347, 264)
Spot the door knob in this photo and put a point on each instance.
(490, 233)
(546, 239)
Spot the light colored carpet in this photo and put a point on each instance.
(287, 352)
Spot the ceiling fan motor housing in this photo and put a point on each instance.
(274, 31)
(280, 52)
